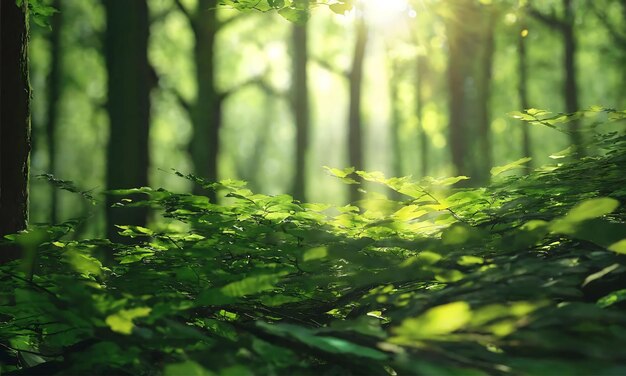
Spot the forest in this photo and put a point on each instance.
(313, 187)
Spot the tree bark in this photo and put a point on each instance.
(54, 95)
(15, 143)
(469, 79)
(129, 82)
(206, 111)
(566, 27)
(522, 89)
(396, 120)
(570, 84)
(300, 108)
(420, 78)
(355, 127)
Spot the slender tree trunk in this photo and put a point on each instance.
(355, 127)
(54, 95)
(396, 120)
(566, 27)
(522, 89)
(420, 78)
(300, 107)
(129, 83)
(206, 111)
(469, 81)
(570, 85)
(484, 157)
(15, 144)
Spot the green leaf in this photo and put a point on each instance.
(295, 15)
(122, 321)
(252, 285)
(619, 247)
(341, 8)
(83, 263)
(586, 210)
(612, 298)
(278, 4)
(510, 166)
(325, 343)
(188, 368)
(593, 208)
(435, 322)
(600, 274)
(315, 254)
(342, 174)
(458, 233)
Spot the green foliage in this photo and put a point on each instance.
(296, 11)
(526, 276)
(39, 10)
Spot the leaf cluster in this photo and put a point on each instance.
(526, 276)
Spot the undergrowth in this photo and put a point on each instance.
(526, 276)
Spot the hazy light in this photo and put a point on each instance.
(387, 13)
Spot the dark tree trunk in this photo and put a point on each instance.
(355, 127)
(522, 89)
(420, 78)
(570, 85)
(566, 27)
(469, 79)
(483, 154)
(300, 108)
(129, 82)
(14, 122)
(54, 94)
(206, 111)
(396, 120)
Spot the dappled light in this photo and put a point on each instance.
(312, 187)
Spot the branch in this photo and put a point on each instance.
(324, 64)
(270, 90)
(549, 20)
(616, 35)
(185, 11)
(227, 22)
(182, 101)
(160, 16)
(256, 80)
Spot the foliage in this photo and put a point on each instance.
(293, 10)
(39, 10)
(526, 276)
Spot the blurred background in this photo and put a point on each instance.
(127, 91)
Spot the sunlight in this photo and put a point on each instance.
(386, 14)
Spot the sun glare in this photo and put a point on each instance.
(387, 13)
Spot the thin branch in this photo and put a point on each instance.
(549, 20)
(256, 80)
(182, 101)
(324, 64)
(229, 21)
(184, 11)
(159, 17)
(618, 36)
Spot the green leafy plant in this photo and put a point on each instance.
(526, 276)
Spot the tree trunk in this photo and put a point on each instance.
(54, 95)
(15, 141)
(355, 136)
(396, 120)
(483, 155)
(300, 108)
(206, 111)
(420, 75)
(570, 85)
(129, 83)
(469, 78)
(522, 90)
